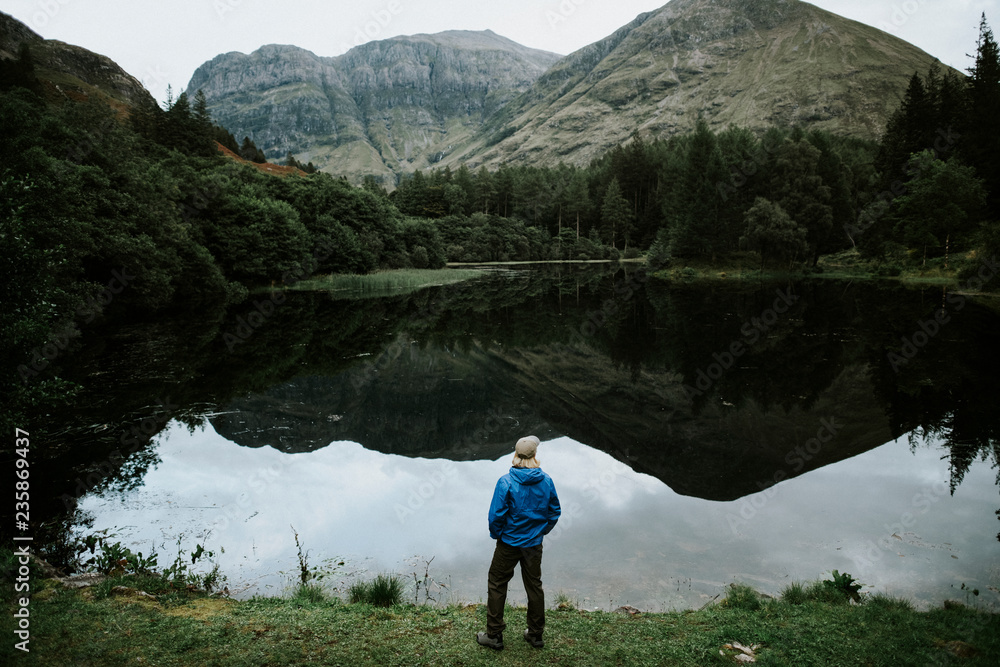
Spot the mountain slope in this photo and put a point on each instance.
(744, 62)
(382, 108)
(65, 71)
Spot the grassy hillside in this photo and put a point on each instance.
(733, 62)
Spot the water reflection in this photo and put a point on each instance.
(624, 537)
(702, 398)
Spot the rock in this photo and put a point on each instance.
(127, 591)
(744, 654)
(627, 609)
(727, 61)
(961, 649)
(48, 571)
(382, 108)
(82, 580)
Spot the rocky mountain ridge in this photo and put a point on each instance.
(733, 62)
(382, 108)
(392, 106)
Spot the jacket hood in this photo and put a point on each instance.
(527, 476)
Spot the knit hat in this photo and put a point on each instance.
(526, 447)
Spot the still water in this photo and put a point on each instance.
(625, 537)
(698, 434)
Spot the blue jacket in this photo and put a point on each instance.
(525, 507)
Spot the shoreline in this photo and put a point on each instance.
(119, 621)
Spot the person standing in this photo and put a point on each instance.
(525, 508)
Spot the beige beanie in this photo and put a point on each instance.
(526, 447)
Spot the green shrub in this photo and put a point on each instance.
(845, 585)
(889, 602)
(741, 596)
(385, 590)
(794, 593)
(310, 593)
(818, 591)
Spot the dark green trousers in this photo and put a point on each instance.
(505, 558)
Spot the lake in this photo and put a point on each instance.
(698, 434)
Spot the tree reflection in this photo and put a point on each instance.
(609, 357)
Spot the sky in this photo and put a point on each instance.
(378, 511)
(163, 42)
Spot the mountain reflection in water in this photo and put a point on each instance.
(717, 390)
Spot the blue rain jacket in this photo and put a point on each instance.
(525, 507)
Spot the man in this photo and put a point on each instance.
(525, 507)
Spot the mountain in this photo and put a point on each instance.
(382, 108)
(65, 71)
(396, 105)
(431, 403)
(751, 63)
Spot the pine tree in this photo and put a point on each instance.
(942, 204)
(911, 129)
(248, 150)
(616, 215)
(696, 228)
(797, 186)
(981, 141)
(485, 191)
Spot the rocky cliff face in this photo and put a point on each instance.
(382, 108)
(396, 105)
(752, 63)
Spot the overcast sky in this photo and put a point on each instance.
(163, 42)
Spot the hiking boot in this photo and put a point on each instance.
(534, 641)
(495, 643)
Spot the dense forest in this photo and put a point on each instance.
(141, 210)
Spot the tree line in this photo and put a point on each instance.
(108, 213)
(928, 188)
(87, 191)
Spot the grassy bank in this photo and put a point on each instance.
(846, 265)
(386, 283)
(108, 626)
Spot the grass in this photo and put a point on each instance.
(79, 627)
(310, 593)
(385, 590)
(386, 283)
(838, 266)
